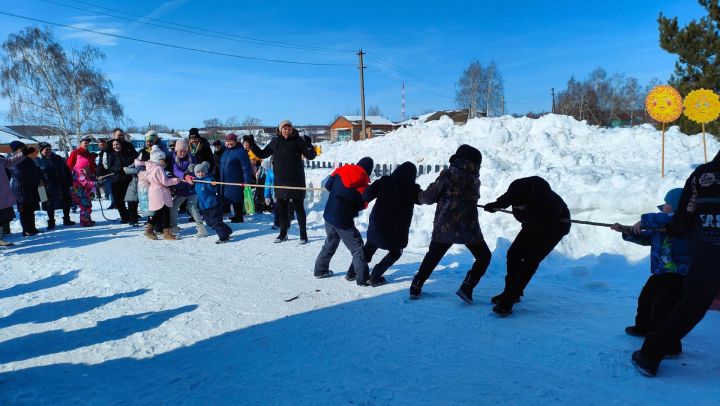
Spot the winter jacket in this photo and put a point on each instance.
(269, 192)
(391, 216)
(216, 158)
(287, 162)
(159, 187)
(203, 153)
(181, 168)
(116, 163)
(80, 157)
(667, 254)
(58, 181)
(698, 214)
(127, 147)
(131, 195)
(207, 194)
(26, 178)
(536, 206)
(7, 199)
(234, 168)
(101, 162)
(456, 192)
(346, 185)
(144, 154)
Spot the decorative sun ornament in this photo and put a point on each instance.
(702, 106)
(664, 104)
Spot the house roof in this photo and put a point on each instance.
(373, 120)
(8, 135)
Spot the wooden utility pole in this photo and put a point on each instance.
(363, 135)
(553, 101)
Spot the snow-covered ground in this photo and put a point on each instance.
(102, 315)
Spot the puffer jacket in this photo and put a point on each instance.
(667, 254)
(346, 185)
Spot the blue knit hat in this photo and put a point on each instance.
(672, 197)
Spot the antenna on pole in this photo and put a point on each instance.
(402, 106)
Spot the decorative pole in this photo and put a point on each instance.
(702, 106)
(664, 105)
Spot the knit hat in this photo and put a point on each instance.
(203, 167)
(194, 132)
(231, 137)
(367, 164)
(16, 145)
(156, 154)
(27, 151)
(217, 143)
(672, 197)
(43, 145)
(181, 144)
(284, 123)
(87, 138)
(468, 153)
(151, 135)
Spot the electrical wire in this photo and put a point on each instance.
(407, 72)
(400, 80)
(203, 30)
(205, 51)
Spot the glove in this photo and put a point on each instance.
(308, 141)
(492, 207)
(189, 179)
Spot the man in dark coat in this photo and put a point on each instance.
(117, 160)
(200, 149)
(127, 148)
(58, 183)
(101, 170)
(26, 177)
(698, 218)
(545, 221)
(390, 218)
(234, 167)
(287, 150)
(346, 185)
(456, 192)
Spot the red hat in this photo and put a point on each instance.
(231, 136)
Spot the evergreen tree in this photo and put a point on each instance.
(697, 46)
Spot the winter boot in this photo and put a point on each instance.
(645, 365)
(201, 230)
(375, 282)
(149, 233)
(635, 331)
(303, 236)
(282, 237)
(465, 293)
(51, 224)
(68, 222)
(168, 234)
(499, 298)
(326, 274)
(222, 240)
(415, 290)
(4, 243)
(350, 275)
(502, 310)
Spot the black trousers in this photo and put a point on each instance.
(27, 216)
(658, 297)
(118, 197)
(437, 250)
(523, 259)
(161, 218)
(298, 205)
(51, 214)
(702, 284)
(369, 251)
(132, 212)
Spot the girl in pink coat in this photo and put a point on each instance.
(159, 196)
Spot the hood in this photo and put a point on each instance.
(405, 173)
(353, 176)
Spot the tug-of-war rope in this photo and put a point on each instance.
(588, 223)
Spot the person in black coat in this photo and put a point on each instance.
(697, 218)
(390, 218)
(58, 183)
(117, 160)
(287, 150)
(200, 149)
(545, 221)
(26, 178)
(101, 170)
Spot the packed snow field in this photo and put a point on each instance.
(102, 315)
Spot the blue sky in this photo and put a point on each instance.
(426, 44)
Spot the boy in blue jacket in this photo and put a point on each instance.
(669, 261)
(210, 204)
(346, 185)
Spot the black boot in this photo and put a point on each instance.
(465, 293)
(68, 222)
(645, 365)
(51, 224)
(415, 290)
(282, 237)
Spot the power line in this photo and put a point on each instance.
(171, 45)
(407, 72)
(399, 80)
(219, 34)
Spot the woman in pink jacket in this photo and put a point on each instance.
(159, 195)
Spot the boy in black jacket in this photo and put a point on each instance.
(545, 221)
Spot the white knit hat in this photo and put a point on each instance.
(156, 154)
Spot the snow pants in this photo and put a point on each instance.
(702, 284)
(353, 241)
(658, 297)
(369, 251)
(523, 259)
(437, 250)
(213, 217)
(192, 207)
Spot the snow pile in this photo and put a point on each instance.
(604, 175)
